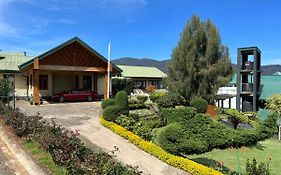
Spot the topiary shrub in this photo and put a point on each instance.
(171, 100)
(200, 104)
(121, 99)
(170, 138)
(111, 113)
(180, 115)
(107, 102)
(142, 98)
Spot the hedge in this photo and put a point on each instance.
(65, 147)
(153, 149)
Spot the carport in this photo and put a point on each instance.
(71, 65)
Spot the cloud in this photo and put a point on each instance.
(5, 27)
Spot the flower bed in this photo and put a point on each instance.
(151, 148)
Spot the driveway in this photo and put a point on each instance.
(84, 116)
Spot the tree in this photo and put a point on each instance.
(274, 103)
(200, 64)
(4, 90)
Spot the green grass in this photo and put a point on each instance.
(44, 158)
(263, 151)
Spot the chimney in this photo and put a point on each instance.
(24, 53)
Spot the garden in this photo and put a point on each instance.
(183, 129)
(174, 125)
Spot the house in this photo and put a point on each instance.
(72, 64)
(270, 84)
(143, 76)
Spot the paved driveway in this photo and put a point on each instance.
(85, 117)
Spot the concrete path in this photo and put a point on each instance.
(84, 116)
(13, 159)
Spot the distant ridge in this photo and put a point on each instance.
(162, 65)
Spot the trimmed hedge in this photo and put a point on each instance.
(151, 148)
(200, 104)
(107, 102)
(112, 112)
(202, 134)
(180, 115)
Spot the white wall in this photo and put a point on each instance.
(227, 91)
(100, 88)
(20, 84)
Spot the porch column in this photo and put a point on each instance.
(36, 97)
(105, 86)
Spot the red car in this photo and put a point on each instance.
(75, 95)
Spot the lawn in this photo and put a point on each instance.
(263, 151)
(44, 158)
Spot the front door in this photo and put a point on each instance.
(87, 82)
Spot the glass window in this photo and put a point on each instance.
(43, 82)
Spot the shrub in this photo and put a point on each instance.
(170, 100)
(4, 90)
(177, 161)
(201, 133)
(253, 168)
(267, 128)
(121, 99)
(142, 98)
(156, 95)
(133, 100)
(112, 112)
(180, 115)
(143, 130)
(127, 122)
(200, 104)
(123, 84)
(107, 102)
(170, 138)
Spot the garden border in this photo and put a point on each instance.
(153, 149)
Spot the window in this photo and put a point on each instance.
(43, 82)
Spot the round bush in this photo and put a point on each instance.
(112, 112)
(200, 104)
(170, 138)
(107, 102)
(121, 99)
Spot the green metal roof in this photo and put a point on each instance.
(12, 60)
(270, 84)
(23, 65)
(141, 72)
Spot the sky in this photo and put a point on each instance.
(138, 28)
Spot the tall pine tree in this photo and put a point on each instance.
(200, 64)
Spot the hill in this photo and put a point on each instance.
(162, 65)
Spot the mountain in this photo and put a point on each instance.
(162, 65)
